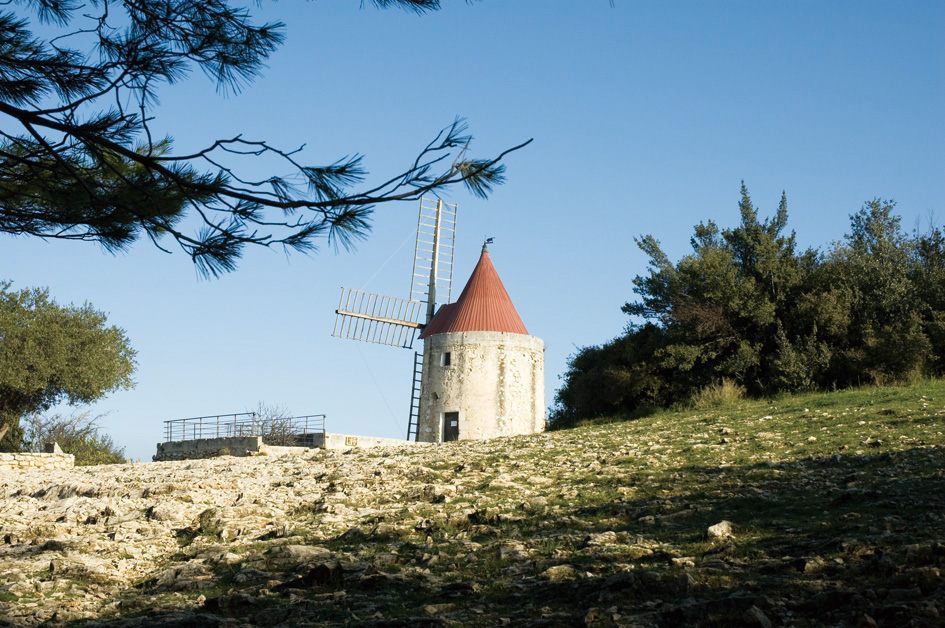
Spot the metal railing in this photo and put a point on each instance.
(296, 430)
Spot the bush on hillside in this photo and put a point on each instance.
(747, 307)
(717, 394)
(78, 434)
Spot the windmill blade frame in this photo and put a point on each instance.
(434, 250)
(377, 318)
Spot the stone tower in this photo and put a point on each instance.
(483, 375)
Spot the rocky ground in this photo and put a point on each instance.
(809, 511)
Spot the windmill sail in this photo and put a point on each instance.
(393, 321)
(378, 318)
(436, 241)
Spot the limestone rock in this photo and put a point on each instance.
(721, 531)
(603, 538)
(324, 575)
(438, 609)
(298, 554)
(560, 573)
(167, 510)
(754, 616)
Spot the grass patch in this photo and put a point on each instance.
(836, 500)
(721, 393)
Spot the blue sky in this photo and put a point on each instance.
(646, 116)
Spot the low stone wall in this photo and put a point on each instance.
(346, 441)
(282, 450)
(208, 448)
(253, 446)
(36, 461)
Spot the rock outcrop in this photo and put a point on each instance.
(603, 525)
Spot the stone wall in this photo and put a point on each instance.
(346, 441)
(282, 450)
(208, 448)
(495, 381)
(36, 461)
(254, 445)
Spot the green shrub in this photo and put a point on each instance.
(77, 434)
(718, 394)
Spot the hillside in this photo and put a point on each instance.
(836, 503)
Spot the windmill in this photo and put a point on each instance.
(395, 321)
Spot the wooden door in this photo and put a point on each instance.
(450, 426)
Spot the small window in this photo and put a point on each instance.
(446, 358)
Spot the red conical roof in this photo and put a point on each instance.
(484, 305)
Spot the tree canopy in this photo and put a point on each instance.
(79, 161)
(51, 353)
(748, 308)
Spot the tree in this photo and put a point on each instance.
(50, 354)
(78, 159)
(882, 338)
(928, 276)
(77, 434)
(745, 311)
(721, 306)
(275, 423)
(619, 378)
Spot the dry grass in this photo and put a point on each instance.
(718, 394)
